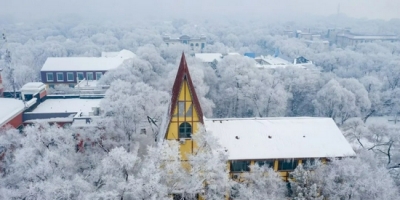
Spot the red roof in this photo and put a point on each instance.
(183, 74)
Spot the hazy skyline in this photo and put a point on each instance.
(126, 9)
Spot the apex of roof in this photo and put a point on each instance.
(183, 74)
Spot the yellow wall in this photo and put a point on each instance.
(186, 113)
(283, 174)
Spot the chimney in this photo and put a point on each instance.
(1, 84)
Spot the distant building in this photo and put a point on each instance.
(274, 62)
(1, 85)
(196, 44)
(347, 39)
(344, 37)
(70, 70)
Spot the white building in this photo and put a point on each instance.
(196, 44)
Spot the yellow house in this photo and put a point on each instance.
(185, 113)
(281, 143)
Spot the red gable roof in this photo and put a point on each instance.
(183, 74)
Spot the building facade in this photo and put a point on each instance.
(196, 44)
(70, 70)
(281, 143)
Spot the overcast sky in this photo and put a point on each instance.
(126, 9)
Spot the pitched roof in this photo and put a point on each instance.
(183, 74)
(86, 63)
(279, 138)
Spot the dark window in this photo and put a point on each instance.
(51, 86)
(268, 163)
(191, 44)
(60, 76)
(287, 165)
(71, 85)
(240, 166)
(98, 75)
(80, 75)
(185, 197)
(50, 77)
(197, 44)
(202, 45)
(70, 76)
(185, 130)
(89, 76)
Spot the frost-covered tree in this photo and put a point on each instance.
(126, 108)
(209, 165)
(335, 101)
(304, 184)
(362, 177)
(261, 183)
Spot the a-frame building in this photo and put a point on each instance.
(185, 113)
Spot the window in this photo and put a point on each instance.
(98, 75)
(197, 44)
(89, 76)
(71, 85)
(51, 86)
(268, 163)
(185, 111)
(60, 76)
(202, 45)
(309, 163)
(50, 77)
(185, 130)
(240, 166)
(287, 165)
(80, 75)
(70, 76)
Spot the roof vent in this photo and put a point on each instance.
(269, 136)
(237, 137)
(304, 136)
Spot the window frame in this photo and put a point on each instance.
(73, 78)
(52, 76)
(262, 163)
(97, 77)
(185, 134)
(80, 73)
(294, 165)
(245, 165)
(62, 74)
(87, 76)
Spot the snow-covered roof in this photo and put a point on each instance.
(67, 105)
(271, 60)
(33, 87)
(371, 37)
(9, 108)
(208, 57)
(86, 63)
(279, 138)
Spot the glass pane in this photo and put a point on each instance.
(89, 76)
(287, 165)
(181, 109)
(70, 76)
(268, 163)
(60, 77)
(50, 77)
(98, 75)
(239, 166)
(80, 76)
